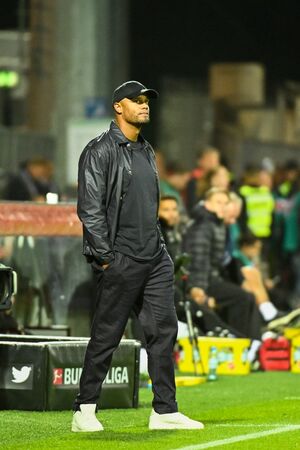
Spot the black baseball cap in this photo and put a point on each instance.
(132, 89)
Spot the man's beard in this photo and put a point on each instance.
(139, 122)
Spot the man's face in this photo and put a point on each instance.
(217, 204)
(232, 212)
(38, 171)
(168, 211)
(292, 174)
(209, 161)
(252, 251)
(134, 111)
(221, 178)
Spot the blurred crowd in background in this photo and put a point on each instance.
(242, 234)
(266, 207)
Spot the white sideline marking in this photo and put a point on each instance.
(242, 437)
(251, 425)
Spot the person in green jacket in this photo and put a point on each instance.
(286, 236)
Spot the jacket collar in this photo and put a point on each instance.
(200, 213)
(119, 136)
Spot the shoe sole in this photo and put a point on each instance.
(76, 429)
(281, 322)
(174, 427)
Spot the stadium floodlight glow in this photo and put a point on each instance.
(9, 79)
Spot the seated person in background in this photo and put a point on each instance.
(205, 241)
(203, 315)
(249, 258)
(242, 266)
(32, 182)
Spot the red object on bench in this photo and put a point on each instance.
(274, 354)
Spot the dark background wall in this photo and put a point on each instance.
(183, 38)
(10, 13)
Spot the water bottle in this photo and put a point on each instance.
(297, 356)
(245, 356)
(212, 364)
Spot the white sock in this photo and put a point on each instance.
(268, 311)
(253, 350)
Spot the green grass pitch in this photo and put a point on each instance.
(238, 412)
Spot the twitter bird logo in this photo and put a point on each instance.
(20, 376)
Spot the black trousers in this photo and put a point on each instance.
(147, 289)
(237, 307)
(207, 320)
(203, 317)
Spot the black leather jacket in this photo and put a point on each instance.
(103, 179)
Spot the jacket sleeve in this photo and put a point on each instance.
(198, 244)
(91, 206)
(160, 232)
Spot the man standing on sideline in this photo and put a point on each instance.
(118, 197)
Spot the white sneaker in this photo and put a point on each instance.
(284, 321)
(85, 419)
(172, 421)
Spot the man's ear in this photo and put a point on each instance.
(117, 107)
